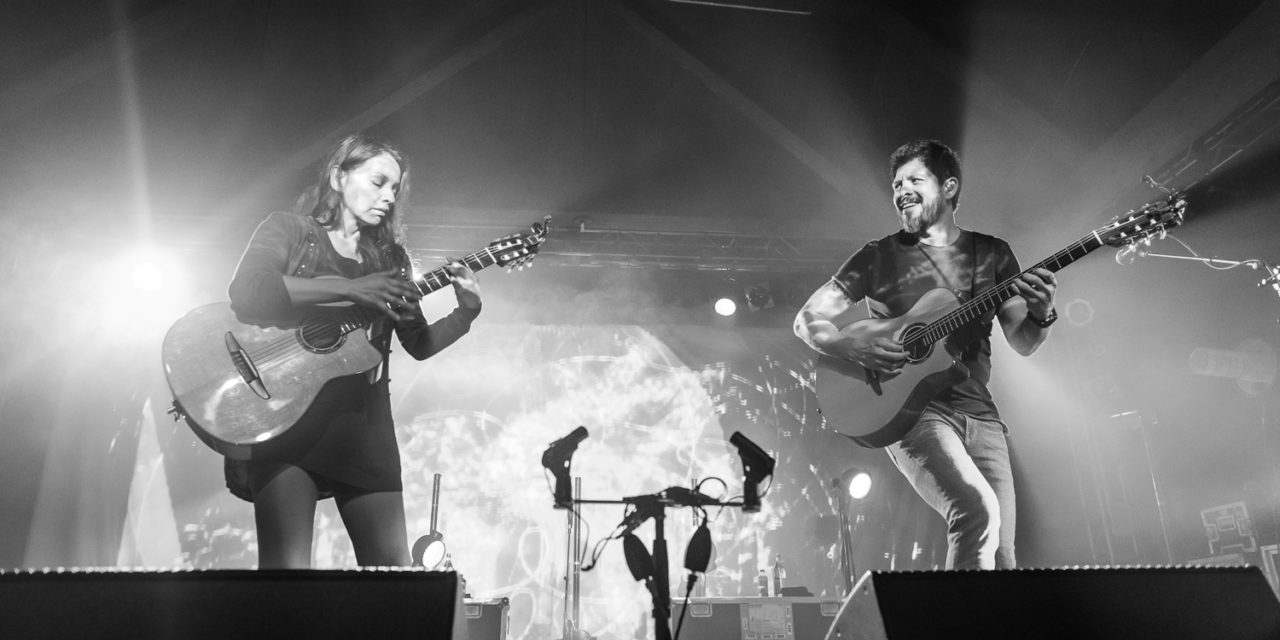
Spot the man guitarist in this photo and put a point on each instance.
(957, 455)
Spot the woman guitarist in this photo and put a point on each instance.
(343, 244)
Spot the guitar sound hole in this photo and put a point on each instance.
(320, 337)
(917, 350)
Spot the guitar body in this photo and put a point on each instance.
(877, 409)
(239, 384)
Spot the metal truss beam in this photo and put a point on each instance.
(1252, 121)
(640, 249)
(121, 46)
(1236, 71)
(431, 243)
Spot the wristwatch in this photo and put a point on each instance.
(1043, 323)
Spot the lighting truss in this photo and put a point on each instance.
(707, 251)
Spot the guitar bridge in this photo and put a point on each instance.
(176, 412)
(873, 380)
(245, 367)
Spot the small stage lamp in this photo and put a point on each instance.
(726, 307)
(856, 482)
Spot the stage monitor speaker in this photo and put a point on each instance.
(231, 604)
(786, 618)
(486, 620)
(1222, 603)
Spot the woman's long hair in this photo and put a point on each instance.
(382, 246)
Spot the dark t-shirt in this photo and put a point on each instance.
(892, 273)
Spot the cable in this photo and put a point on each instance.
(688, 591)
(596, 553)
(617, 534)
(724, 485)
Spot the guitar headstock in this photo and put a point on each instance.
(518, 250)
(1144, 223)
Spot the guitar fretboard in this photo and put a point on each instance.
(356, 317)
(440, 278)
(993, 297)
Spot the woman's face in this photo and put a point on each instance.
(369, 191)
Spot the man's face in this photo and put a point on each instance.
(917, 196)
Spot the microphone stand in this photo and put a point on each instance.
(652, 568)
(1272, 276)
(573, 571)
(1213, 262)
(653, 506)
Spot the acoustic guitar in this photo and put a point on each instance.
(240, 384)
(877, 409)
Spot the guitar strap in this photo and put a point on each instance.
(383, 345)
(973, 269)
(386, 358)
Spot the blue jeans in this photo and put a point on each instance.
(960, 466)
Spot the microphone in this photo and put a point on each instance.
(756, 466)
(564, 447)
(1127, 254)
(639, 562)
(557, 458)
(697, 556)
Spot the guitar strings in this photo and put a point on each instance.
(957, 318)
(944, 326)
(329, 327)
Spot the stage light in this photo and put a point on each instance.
(148, 276)
(144, 290)
(860, 485)
(726, 307)
(855, 482)
(149, 281)
(759, 296)
(149, 270)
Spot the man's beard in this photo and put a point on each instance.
(929, 214)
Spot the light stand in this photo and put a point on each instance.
(756, 465)
(853, 484)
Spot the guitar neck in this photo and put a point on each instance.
(992, 298)
(359, 317)
(440, 278)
